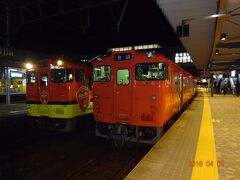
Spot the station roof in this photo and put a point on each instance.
(207, 21)
(76, 32)
(85, 26)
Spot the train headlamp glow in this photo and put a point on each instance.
(154, 98)
(28, 66)
(59, 62)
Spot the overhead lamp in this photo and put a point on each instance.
(217, 51)
(223, 36)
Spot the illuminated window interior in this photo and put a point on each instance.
(183, 58)
(123, 77)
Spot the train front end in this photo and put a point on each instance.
(127, 101)
(57, 93)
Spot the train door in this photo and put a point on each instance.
(44, 90)
(181, 90)
(32, 86)
(122, 94)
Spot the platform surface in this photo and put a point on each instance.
(12, 109)
(204, 143)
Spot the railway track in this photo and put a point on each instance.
(37, 154)
(110, 164)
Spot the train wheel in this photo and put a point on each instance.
(119, 138)
(31, 122)
(118, 141)
(70, 126)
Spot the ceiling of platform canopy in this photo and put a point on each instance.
(209, 22)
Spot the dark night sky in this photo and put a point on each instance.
(142, 23)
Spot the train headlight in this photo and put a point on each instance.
(154, 98)
(28, 66)
(59, 62)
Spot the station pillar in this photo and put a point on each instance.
(212, 83)
(7, 79)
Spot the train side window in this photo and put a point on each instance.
(80, 75)
(166, 72)
(31, 77)
(101, 73)
(175, 83)
(150, 71)
(44, 80)
(69, 75)
(61, 75)
(122, 77)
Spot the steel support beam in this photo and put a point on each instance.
(7, 28)
(45, 10)
(121, 16)
(229, 45)
(57, 11)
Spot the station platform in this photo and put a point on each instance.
(203, 143)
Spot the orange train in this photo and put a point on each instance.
(135, 93)
(58, 92)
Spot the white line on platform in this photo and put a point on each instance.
(12, 112)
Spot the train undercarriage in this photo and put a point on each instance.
(120, 133)
(65, 125)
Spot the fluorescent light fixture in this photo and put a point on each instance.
(233, 73)
(16, 74)
(129, 48)
(140, 47)
(217, 15)
(149, 46)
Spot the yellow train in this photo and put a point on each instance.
(17, 84)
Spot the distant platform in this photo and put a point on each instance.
(202, 144)
(12, 109)
(16, 93)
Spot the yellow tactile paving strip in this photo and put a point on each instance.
(205, 164)
(172, 156)
(189, 143)
(226, 124)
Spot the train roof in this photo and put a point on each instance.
(110, 55)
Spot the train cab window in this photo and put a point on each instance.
(123, 77)
(62, 75)
(80, 75)
(69, 75)
(102, 73)
(44, 80)
(150, 71)
(31, 77)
